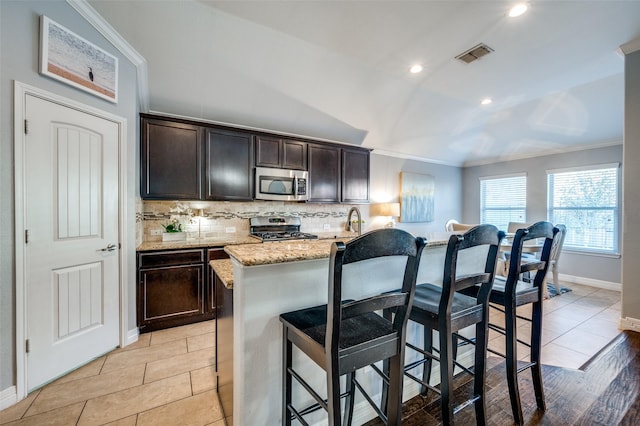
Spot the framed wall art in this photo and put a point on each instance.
(75, 61)
(416, 197)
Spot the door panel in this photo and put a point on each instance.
(71, 215)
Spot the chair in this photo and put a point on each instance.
(449, 225)
(461, 227)
(444, 309)
(512, 227)
(346, 335)
(511, 292)
(556, 249)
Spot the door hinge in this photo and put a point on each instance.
(27, 348)
(26, 236)
(26, 127)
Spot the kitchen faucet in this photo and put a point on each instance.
(349, 226)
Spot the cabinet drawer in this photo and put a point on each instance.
(217, 253)
(169, 258)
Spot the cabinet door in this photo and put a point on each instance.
(268, 151)
(294, 155)
(355, 176)
(170, 296)
(213, 254)
(324, 173)
(229, 165)
(171, 156)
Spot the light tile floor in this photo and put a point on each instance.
(167, 377)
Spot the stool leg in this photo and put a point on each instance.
(479, 371)
(426, 367)
(536, 349)
(333, 393)
(385, 369)
(512, 361)
(349, 401)
(394, 402)
(447, 401)
(286, 378)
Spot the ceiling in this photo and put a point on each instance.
(338, 70)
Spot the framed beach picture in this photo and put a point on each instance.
(416, 197)
(73, 60)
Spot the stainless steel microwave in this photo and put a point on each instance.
(282, 184)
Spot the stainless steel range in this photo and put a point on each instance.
(277, 228)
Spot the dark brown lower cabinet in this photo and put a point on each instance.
(173, 288)
(224, 344)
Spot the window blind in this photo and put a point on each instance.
(503, 200)
(586, 202)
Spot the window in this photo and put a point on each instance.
(503, 200)
(585, 200)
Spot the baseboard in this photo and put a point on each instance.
(631, 324)
(132, 336)
(8, 397)
(590, 282)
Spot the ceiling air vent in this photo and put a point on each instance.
(474, 53)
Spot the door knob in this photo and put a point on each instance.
(110, 247)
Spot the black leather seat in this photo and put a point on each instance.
(447, 311)
(511, 292)
(346, 335)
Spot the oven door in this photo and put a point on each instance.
(281, 184)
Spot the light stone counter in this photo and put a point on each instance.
(289, 251)
(197, 243)
(224, 270)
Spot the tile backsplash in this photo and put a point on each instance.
(202, 219)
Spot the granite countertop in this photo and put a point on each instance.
(224, 270)
(197, 243)
(289, 251)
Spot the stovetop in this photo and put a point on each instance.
(277, 228)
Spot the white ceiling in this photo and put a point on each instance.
(338, 70)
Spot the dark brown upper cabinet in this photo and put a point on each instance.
(324, 173)
(171, 160)
(228, 165)
(280, 153)
(355, 176)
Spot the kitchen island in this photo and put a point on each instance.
(272, 278)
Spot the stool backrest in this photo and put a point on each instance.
(480, 235)
(519, 265)
(380, 243)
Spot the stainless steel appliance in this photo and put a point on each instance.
(282, 184)
(277, 228)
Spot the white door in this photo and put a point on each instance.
(71, 221)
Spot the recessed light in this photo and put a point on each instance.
(518, 10)
(486, 101)
(415, 69)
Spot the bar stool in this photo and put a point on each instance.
(346, 335)
(511, 292)
(446, 310)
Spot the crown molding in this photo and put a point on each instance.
(123, 46)
(632, 46)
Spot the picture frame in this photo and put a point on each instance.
(416, 197)
(69, 58)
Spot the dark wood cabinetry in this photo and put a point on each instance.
(324, 173)
(229, 165)
(174, 287)
(281, 153)
(338, 174)
(190, 160)
(355, 176)
(171, 160)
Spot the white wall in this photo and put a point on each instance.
(631, 208)
(19, 46)
(385, 186)
(585, 266)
